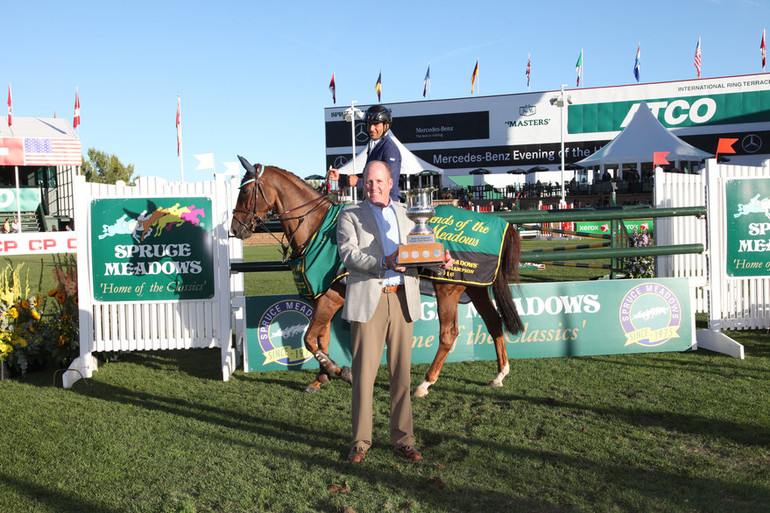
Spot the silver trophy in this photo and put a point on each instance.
(421, 247)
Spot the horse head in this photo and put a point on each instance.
(255, 204)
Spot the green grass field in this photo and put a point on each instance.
(160, 432)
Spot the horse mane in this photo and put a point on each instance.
(288, 175)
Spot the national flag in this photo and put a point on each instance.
(76, 119)
(178, 126)
(696, 60)
(51, 152)
(725, 146)
(529, 69)
(333, 89)
(10, 109)
(659, 158)
(426, 82)
(474, 76)
(762, 48)
(637, 61)
(579, 67)
(378, 86)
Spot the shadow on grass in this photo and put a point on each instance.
(53, 499)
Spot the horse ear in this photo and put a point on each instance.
(247, 166)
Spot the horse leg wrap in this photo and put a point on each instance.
(326, 363)
(346, 374)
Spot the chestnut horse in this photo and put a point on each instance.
(276, 194)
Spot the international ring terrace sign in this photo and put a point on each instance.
(152, 249)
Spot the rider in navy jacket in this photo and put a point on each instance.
(382, 147)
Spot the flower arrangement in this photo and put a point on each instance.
(20, 333)
(62, 329)
(640, 266)
(37, 329)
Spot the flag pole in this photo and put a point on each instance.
(18, 200)
(179, 135)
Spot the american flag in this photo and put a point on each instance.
(333, 89)
(762, 48)
(52, 152)
(696, 61)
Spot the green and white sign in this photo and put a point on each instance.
(29, 199)
(152, 249)
(748, 227)
(637, 225)
(560, 319)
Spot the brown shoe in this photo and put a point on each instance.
(357, 454)
(408, 452)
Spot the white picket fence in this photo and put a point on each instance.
(735, 303)
(154, 325)
(732, 303)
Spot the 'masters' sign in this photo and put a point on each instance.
(152, 249)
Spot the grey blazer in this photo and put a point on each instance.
(361, 251)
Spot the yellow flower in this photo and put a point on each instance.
(13, 312)
(35, 315)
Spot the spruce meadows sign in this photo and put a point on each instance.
(560, 319)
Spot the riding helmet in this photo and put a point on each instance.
(378, 114)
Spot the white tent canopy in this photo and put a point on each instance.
(411, 164)
(643, 136)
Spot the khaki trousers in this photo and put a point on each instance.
(367, 340)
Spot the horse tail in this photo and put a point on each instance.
(509, 260)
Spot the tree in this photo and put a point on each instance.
(103, 168)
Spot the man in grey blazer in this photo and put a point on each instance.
(382, 302)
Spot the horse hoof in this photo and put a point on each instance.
(312, 389)
(496, 384)
(420, 391)
(323, 378)
(346, 374)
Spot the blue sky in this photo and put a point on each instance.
(253, 76)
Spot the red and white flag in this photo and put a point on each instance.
(10, 109)
(333, 89)
(76, 118)
(178, 126)
(696, 61)
(762, 48)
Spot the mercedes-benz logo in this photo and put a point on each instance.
(339, 162)
(751, 143)
(361, 134)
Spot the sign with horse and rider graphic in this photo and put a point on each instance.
(149, 249)
(748, 227)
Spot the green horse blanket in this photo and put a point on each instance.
(473, 239)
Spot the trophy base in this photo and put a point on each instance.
(420, 254)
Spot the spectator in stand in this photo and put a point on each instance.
(7, 226)
(15, 225)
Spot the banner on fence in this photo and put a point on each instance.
(37, 243)
(637, 225)
(560, 319)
